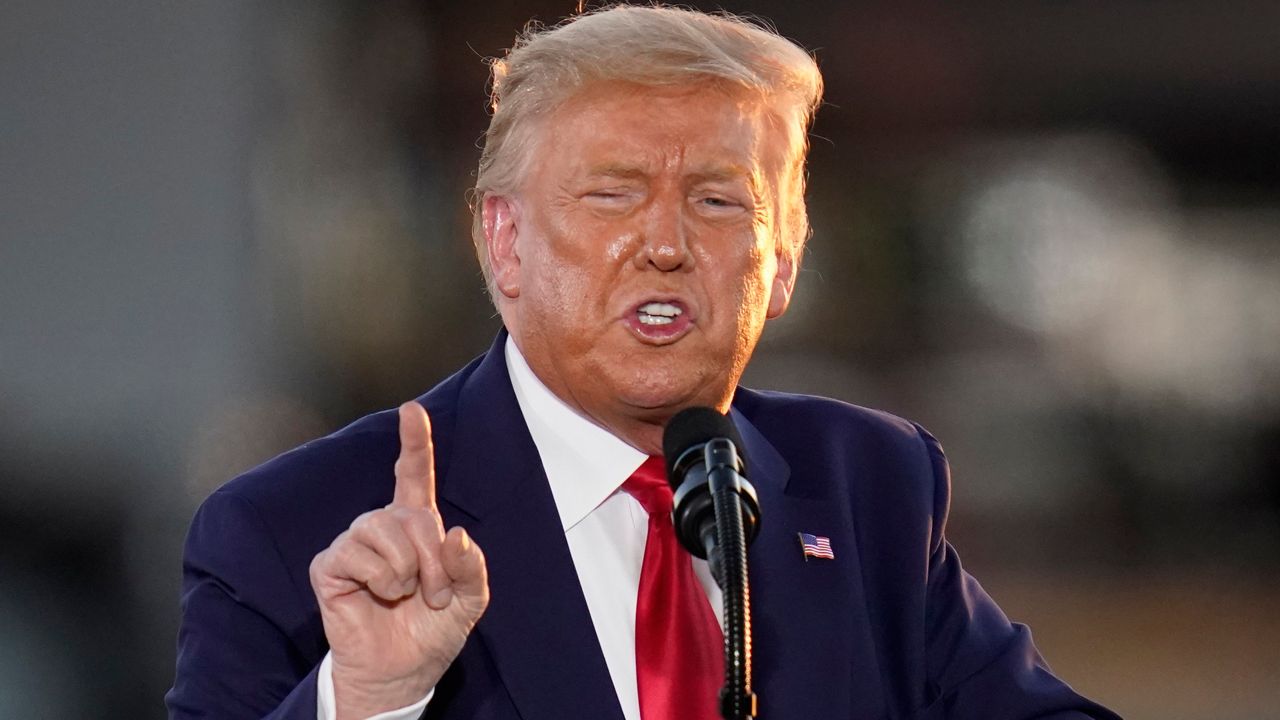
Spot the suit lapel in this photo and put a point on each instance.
(809, 625)
(537, 629)
(809, 621)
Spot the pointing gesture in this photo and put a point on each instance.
(416, 466)
(398, 595)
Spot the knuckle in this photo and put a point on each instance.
(408, 464)
(345, 556)
(364, 521)
(374, 524)
(316, 569)
(382, 575)
(404, 561)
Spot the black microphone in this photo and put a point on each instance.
(716, 515)
(701, 448)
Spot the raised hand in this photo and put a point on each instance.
(398, 595)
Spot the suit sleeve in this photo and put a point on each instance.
(238, 657)
(980, 665)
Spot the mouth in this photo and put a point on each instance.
(659, 321)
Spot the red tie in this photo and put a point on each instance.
(679, 646)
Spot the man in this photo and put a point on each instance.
(639, 216)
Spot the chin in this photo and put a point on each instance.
(667, 392)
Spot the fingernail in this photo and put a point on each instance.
(441, 599)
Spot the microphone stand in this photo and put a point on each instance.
(729, 566)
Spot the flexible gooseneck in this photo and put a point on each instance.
(737, 701)
(716, 517)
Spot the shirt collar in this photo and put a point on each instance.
(584, 463)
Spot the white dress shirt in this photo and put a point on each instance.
(606, 530)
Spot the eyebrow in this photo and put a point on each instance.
(616, 170)
(719, 173)
(722, 173)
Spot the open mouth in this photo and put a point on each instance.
(658, 313)
(660, 321)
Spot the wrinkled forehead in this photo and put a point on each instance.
(705, 126)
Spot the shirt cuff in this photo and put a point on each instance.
(327, 706)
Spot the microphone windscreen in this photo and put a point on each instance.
(695, 426)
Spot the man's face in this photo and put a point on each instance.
(638, 263)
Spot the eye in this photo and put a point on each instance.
(719, 204)
(610, 199)
(612, 194)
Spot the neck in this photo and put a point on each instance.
(641, 428)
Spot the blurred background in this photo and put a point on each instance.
(1049, 231)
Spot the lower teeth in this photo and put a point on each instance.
(655, 320)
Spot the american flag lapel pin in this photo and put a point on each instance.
(816, 546)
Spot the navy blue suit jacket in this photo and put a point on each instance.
(892, 628)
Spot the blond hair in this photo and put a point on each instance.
(646, 45)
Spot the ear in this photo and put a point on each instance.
(784, 281)
(500, 217)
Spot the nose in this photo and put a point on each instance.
(665, 238)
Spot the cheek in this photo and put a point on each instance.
(583, 256)
(594, 243)
(558, 282)
(569, 276)
(754, 290)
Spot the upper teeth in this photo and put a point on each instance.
(656, 313)
(657, 308)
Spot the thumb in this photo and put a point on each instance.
(463, 562)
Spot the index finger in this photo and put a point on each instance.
(415, 468)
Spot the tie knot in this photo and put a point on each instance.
(648, 485)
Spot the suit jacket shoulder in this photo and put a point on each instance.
(881, 457)
(926, 641)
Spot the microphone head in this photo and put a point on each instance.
(695, 426)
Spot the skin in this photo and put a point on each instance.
(398, 596)
(639, 194)
(636, 194)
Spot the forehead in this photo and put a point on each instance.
(690, 126)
